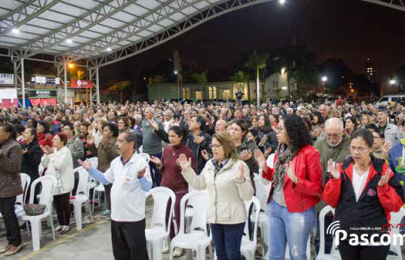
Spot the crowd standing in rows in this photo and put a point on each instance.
(332, 153)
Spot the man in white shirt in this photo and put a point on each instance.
(128, 197)
(169, 121)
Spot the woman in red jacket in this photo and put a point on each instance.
(296, 189)
(43, 134)
(364, 192)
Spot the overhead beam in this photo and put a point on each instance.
(23, 14)
(133, 28)
(394, 4)
(182, 27)
(76, 27)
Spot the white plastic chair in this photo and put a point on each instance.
(20, 200)
(262, 192)
(81, 197)
(159, 230)
(45, 198)
(94, 162)
(396, 218)
(334, 254)
(96, 194)
(248, 247)
(197, 239)
(41, 169)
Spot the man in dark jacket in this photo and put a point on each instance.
(10, 186)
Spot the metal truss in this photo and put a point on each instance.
(24, 13)
(134, 27)
(395, 4)
(79, 25)
(165, 35)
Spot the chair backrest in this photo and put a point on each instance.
(94, 162)
(161, 197)
(254, 202)
(327, 209)
(262, 192)
(41, 169)
(82, 186)
(48, 183)
(146, 156)
(25, 183)
(199, 200)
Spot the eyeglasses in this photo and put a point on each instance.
(359, 149)
(216, 146)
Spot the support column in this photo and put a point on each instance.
(65, 79)
(22, 83)
(98, 86)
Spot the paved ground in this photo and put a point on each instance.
(92, 242)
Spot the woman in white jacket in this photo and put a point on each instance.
(228, 182)
(59, 162)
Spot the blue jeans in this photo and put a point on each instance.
(291, 228)
(227, 240)
(156, 174)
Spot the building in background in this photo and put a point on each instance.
(370, 71)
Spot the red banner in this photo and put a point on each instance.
(81, 84)
(8, 103)
(43, 101)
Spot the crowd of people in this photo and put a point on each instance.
(349, 156)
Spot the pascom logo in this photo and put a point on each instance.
(365, 239)
(333, 227)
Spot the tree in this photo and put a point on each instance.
(257, 62)
(240, 77)
(202, 80)
(119, 87)
(298, 63)
(159, 80)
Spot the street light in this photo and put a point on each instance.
(175, 72)
(393, 82)
(324, 79)
(71, 65)
(282, 2)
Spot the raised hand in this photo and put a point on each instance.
(246, 155)
(153, 124)
(86, 164)
(241, 173)
(385, 178)
(141, 173)
(155, 160)
(291, 173)
(333, 168)
(183, 162)
(205, 155)
(386, 149)
(261, 160)
(198, 139)
(263, 141)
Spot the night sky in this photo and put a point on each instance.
(351, 30)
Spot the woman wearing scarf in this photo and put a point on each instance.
(296, 189)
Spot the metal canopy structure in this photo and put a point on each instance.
(102, 32)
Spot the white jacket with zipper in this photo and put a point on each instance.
(226, 195)
(60, 166)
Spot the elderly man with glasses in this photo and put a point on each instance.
(336, 146)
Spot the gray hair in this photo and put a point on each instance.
(169, 112)
(151, 110)
(331, 122)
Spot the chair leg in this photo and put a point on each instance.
(28, 227)
(171, 252)
(201, 253)
(36, 235)
(52, 227)
(148, 248)
(78, 215)
(157, 250)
